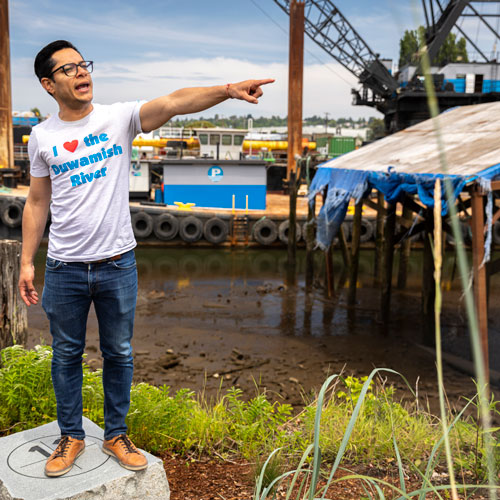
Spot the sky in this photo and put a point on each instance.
(142, 50)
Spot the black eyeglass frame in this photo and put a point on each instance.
(82, 64)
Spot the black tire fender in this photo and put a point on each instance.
(215, 230)
(166, 227)
(12, 213)
(366, 231)
(265, 232)
(142, 224)
(190, 229)
(283, 231)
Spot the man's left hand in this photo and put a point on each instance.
(249, 90)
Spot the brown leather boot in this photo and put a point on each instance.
(64, 456)
(125, 451)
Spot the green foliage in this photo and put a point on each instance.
(182, 422)
(234, 121)
(157, 420)
(197, 124)
(452, 50)
(26, 395)
(377, 129)
(408, 47)
(357, 424)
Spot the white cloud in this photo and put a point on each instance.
(325, 88)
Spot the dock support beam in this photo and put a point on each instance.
(6, 132)
(330, 278)
(379, 240)
(404, 252)
(390, 225)
(295, 78)
(354, 264)
(428, 282)
(479, 271)
(309, 237)
(292, 226)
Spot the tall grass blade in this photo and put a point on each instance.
(317, 429)
(438, 238)
(297, 472)
(260, 480)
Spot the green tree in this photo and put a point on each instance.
(377, 129)
(452, 50)
(198, 124)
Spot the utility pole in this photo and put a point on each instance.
(6, 134)
(326, 123)
(295, 77)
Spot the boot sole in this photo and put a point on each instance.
(125, 466)
(64, 471)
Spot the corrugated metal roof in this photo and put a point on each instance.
(471, 137)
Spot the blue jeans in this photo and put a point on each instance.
(69, 289)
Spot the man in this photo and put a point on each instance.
(79, 165)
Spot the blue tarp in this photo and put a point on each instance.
(344, 184)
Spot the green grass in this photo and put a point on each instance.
(184, 422)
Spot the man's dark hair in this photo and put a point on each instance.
(43, 60)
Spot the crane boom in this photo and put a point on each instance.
(403, 105)
(328, 28)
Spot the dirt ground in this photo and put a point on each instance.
(216, 480)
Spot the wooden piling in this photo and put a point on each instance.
(405, 249)
(428, 282)
(387, 264)
(353, 268)
(330, 282)
(6, 131)
(292, 217)
(346, 255)
(379, 240)
(309, 237)
(13, 311)
(477, 204)
(295, 82)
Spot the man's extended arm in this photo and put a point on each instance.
(34, 220)
(155, 113)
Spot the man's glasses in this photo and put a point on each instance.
(71, 69)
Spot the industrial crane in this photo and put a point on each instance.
(403, 101)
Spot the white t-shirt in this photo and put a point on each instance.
(88, 162)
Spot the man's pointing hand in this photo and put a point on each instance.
(249, 90)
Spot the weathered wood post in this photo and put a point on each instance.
(346, 256)
(13, 311)
(292, 217)
(6, 132)
(379, 240)
(295, 82)
(428, 282)
(309, 237)
(390, 225)
(353, 268)
(405, 249)
(330, 281)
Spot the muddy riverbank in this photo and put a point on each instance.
(210, 320)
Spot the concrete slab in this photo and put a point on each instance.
(95, 475)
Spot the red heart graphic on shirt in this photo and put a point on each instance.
(71, 146)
